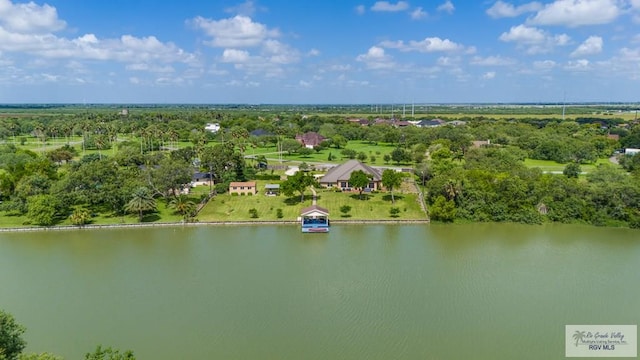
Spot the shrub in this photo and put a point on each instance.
(279, 214)
(234, 194)
(394, 212)
(345, 209)
(221, 188)
(253, 213)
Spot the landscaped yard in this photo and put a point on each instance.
(376, 206)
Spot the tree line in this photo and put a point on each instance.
(139, 159)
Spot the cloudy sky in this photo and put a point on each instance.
(280, 51)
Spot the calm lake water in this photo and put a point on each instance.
(478, 291)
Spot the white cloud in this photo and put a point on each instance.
(390, 7)
(239, 31)
(502, 9)
(591, 46)
(134, 80)
(574, 13)
(535, 40)
(578, 65)
(29, 18)
(430, 44)
(235, 56)
(280, 53)
(150, 68)
(492, 61)
(304, 84)
(375, 58)
(340, 67)
(447, 7)
(125, 49)
(418, 14)
(524, 34)
(635, 4)
(448, 61)
(247, 8)
(313, 52)
(489, 75)
(360, 9)
(544, 64)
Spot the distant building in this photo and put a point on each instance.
(201, 178)
(480, 143)
(360, 121)
(431, 123)
(457, 123)
(310, 139)
(631, 151)
(212, 127)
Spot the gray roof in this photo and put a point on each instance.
(272, 186)
(343, 172)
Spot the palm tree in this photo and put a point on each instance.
(141, 202)
(174, 136)
(100, 143)
(80, 216)
(184, 206)
(578, 336)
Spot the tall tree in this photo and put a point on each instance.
(11, 341)
(141, 202)
(391, 179)
(169, 177)
(41, 209)
(359, 180)
(297, 182)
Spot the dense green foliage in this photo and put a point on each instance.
(101, 159)
(11, 341)
(12, 344)
(108, 353)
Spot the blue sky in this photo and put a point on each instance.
(277, 51)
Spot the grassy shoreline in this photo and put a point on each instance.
(198, 223)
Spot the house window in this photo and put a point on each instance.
(241, 187)
(372, 185)
(343, 184)
(235, 188)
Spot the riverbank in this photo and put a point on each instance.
(203, 223)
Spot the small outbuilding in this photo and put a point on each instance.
(272, 189)
(314, 219)
(243, 188)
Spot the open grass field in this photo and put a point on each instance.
(552, 166)
(377, 150)
(373, 206)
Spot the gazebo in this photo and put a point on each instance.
(314, 219)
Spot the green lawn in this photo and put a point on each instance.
(376, 206)
(548, 165)
(378, 151)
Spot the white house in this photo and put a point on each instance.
(213, 127)
(631, 151)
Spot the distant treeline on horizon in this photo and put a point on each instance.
(371, 106)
